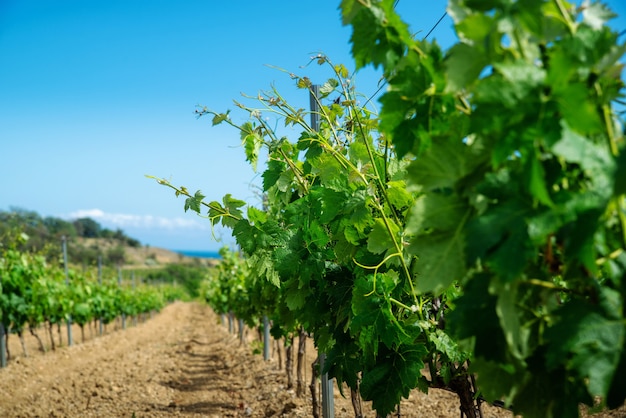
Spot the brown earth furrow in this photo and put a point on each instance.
(181, 363)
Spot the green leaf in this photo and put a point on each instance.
(594, 159)
(361, 216)
(445, 163)
(521, 75)
(537, 182)
(232, 205)
(474, 316)
(351, 234)
(435, 225)
(379, 239)
(495, 379)
(393, 377)
(596, 14)
(256, 216)
(435, 212)
(547, 393)
(378, 35)
(252, 145)
(261, 263)
(447, 346)
(328, 169)
(373, 318)
(516, 335)
(288, 259)
(285, 181)
(512, 84)
(398, 195)
(219, 118)
(441, 260)
(587, 344)
(295, 298)
(245, 234)
(578, 110)
(328, 87)
(358, 152)
(344, 364)
(316, 234)
(272, 173)
(349, 9)
(194, 202)
(475, 27)
(464, 63)
(330, 202)
(499, 238)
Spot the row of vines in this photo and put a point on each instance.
(473, 228)
(37, 295)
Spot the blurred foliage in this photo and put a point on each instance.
(185, 275)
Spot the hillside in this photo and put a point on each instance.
(87, 241)
(143, 256)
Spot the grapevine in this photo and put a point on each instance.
(35, 294)
(474, 229)
(329, 246)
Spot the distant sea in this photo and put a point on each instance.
(200, 254)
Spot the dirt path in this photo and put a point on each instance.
(181, 363)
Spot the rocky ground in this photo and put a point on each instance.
(181, 363)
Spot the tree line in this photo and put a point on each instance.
(45, 233)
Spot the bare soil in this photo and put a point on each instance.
(181, 363)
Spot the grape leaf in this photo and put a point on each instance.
(343, 363)
(596, 14)
(500, 238)
(474, 316)
(464, 63)
(441, 260)
(231, 207)
(447, 346)
(328, 168)
(252, 142)
(578, 110)
(330, 203)
(328, 87)
(373, 316)
(537, 182)
(256, 215)
(219, 118)
(379, 240)
(245, 234)
(393, 377)
(377, 35)
(445, 163)
(588, 343)
(272, 173)
(516, 335)
(398, 194)
(295, 298)
(194, 202)
(494, 377)
(435, 211)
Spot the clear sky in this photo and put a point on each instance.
(94, 94)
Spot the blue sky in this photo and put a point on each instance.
(96, 94)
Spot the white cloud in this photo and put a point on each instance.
(124, 220)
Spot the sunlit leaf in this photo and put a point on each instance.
(219, 118)
(381, 239)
